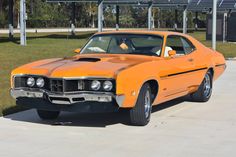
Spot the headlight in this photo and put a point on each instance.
(107, 85)
(40, 82)
(30, 81)
(96, 85)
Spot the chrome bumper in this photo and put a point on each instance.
(68, 98)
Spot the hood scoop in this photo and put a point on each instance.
(88, 60)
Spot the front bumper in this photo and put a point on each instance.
(79, 102)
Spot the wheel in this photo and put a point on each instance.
(141, 113)
(48, 115)
(204, 91)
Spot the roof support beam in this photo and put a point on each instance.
(100, 15)
(196, 21)
(73, 19)
(185, 20)
(22, 23)
(10, 19)
(214, 17)
(176, 19)
(150, 5)
(117, 17)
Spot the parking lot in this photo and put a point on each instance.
(177, 128)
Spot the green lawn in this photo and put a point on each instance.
(227, 49)
(42, 46)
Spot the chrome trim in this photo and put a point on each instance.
(60, 93)
(69, 78)
(86, 96)
(21, 93)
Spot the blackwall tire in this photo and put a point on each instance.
(141, 113)
(203, 94)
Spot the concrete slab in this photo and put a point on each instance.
(177, 128)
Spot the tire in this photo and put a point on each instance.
(141, 113)
(203, 94)
(48, 115)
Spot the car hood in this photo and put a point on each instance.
(84, 65)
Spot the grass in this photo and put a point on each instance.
(227, 49)
(41, 46)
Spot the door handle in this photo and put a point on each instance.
(190, 59)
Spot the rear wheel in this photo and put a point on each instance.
(204, 91)
(141, 113)
(48, 115)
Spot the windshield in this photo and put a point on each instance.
(124, 44)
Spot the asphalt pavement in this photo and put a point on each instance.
(179, 128)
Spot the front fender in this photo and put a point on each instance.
(130, 81)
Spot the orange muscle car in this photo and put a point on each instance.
(133, 70)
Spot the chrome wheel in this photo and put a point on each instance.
(147, 104)
(207, 86)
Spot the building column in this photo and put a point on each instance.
(23, 22)
(100, 15)
(117, 17)
(214, 18)
(10, 19)
(185, 20)
(150, 4)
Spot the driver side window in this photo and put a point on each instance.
(181, 45)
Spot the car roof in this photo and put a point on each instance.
(161, 33)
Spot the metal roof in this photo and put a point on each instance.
(138, 2)
(201, 5)
(194, 5)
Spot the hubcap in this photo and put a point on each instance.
(207, 85)
(147, 104)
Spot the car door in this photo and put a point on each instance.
(198, 60)
(176, 75)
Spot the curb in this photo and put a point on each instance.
(231, 59)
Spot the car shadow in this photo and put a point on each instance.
(88, 120)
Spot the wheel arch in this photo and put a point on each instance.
(212, 71)
(154, 85)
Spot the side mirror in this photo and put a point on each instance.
(77, 51)
(172, 53)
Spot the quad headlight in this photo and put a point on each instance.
(30, 82)
(40, 82)
(95, 85)
(104, 85)
(107, 85)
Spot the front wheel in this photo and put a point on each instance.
(141, 113)
(48, 115)
(204, 91)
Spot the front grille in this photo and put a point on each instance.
(74, 85)
(57, 85)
